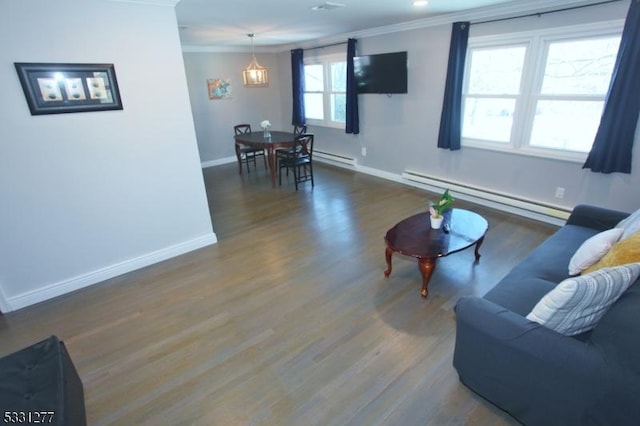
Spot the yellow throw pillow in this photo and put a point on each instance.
(623, 252)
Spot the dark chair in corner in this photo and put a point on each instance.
(246, 153)
(300, 161)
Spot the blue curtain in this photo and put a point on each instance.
(611, 150)
(451, 118)
(353, 120)
(297, 89)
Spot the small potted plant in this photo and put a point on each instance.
(436, 209)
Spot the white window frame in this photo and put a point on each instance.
(326, 61)
(537, 44)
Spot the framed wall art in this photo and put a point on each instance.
(219, 88)
(61, 88)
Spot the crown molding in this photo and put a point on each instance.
(507, 10)
(188, 48)
(489, 12)
(171, 3)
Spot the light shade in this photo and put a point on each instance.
(255, 75)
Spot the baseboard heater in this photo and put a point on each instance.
(536, 210)
(340, 160)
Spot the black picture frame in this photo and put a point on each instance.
(52, 88)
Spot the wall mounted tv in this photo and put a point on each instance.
(382, 73)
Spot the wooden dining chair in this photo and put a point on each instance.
(248, 154)
(301, 161)
(298, 129)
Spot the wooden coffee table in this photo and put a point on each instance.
(414, 237)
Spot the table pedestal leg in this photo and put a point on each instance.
(387, 255)
(477, 250)
(271, 153)
(426, 266)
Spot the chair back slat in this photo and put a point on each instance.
(304, 145)
(299, 129)
(241, 129)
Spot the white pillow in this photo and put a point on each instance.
(631, 224)
(593, 249)
(577, 304)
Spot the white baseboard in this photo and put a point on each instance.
(323, 157)
(94, 277)
(554, 215)
(4, 302)
(339, 160)
(218, 162)
(380, 173)
(548, 213)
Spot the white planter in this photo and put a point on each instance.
(436, 222)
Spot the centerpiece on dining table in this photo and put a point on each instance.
(436, 210)
(266, 128)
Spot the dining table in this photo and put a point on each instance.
(268, 141)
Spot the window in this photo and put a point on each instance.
(325, 97)
(493, 89)
(538, 94)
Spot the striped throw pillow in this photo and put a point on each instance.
(577, 303)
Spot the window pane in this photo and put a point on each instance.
(339, 76)
(496, 71)
(313, 78)
(569, 125)
(488, 119)
(580, 66)
(313, 107)
(339, 108)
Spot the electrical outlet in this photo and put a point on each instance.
(363, 151)
(560, 192)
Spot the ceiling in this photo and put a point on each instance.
(213, 23)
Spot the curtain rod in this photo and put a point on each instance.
(326, 45)
(538, 14)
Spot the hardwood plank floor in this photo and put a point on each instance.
(288, 320)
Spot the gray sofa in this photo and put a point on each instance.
(537, 375)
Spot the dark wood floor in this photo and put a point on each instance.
(288, 320)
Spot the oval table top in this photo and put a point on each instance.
(258, 138)
(414, 236)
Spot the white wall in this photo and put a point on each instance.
(401, 132)
(214, 119)
(88, 196)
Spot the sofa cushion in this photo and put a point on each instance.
(577, 304)
(631, 224)
(593, 249)
(624, 251)
(520, 296)
(540, 271)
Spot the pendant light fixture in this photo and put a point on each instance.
(255, 75)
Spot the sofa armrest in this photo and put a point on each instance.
(595, 217)
(530, 371)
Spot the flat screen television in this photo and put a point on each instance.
(381, 73)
